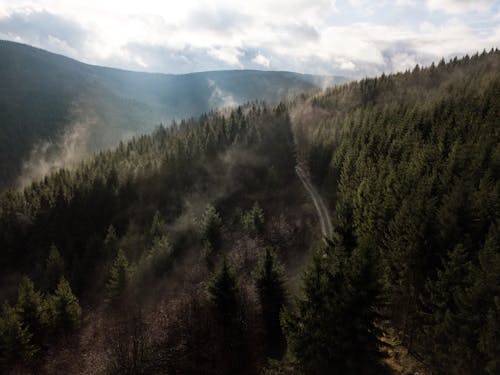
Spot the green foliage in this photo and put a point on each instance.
(54, 268)
(411, 163)
(332, 329)
(211, 224)
(490, 339)
(64, 309)
(223, 291)
(44, 89)
(157, 226)
(158, 260)
(31, 310)
(119, 277)
(15, 339)
(446, 294)
(270, 285)
(110, 245)
(254, 220)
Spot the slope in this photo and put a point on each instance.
(44, 96)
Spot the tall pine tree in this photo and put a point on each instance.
(331, 330)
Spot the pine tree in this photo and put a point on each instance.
(30, 309)
(157, 226)
(119, 277)
(64, 309)
(54, 268)
(270, 285)
(489, 343)
(110, 243)
(332, 328)
(486, 293)
(15, 340)
(223, 291)
(444, 316)
(253, 220)
(161, 255)
(211, 224)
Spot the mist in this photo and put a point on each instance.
(67, 152)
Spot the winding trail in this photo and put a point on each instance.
(319, 204)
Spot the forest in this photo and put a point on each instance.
(47, 99)
(197, 250)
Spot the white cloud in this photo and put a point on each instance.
(368, 7)
(347, 65)
(459, 6)
(406, 3)
(261, 60)
(228, 55)
(307, 36)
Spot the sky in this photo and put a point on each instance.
(354, 38)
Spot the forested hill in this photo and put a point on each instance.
(45, 97)
(177, 251)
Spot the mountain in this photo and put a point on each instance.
(57, 109)
(353, 230)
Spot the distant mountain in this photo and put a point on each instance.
(52, 105)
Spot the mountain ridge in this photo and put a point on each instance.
(44, 95)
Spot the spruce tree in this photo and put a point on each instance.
(223, 291)
(270, 285)
(64, 308)
(253, 220)
(15, 339)
(119, 277)
(331, 330)
(30, 309)
(157, 229)
(211, 224)
(444, 314)
(54, 268)
(110, 243)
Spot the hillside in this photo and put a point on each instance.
(199, 249)
(59, 110)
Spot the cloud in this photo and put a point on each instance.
(459, 6)
(261, 60)
(43, 29)
(228, 55)
(352, 37)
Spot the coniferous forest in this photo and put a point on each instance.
(197, 249)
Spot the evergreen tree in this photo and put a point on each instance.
(269, 282)
(223, 291)
(15, 339)
(30, 309)
(158, 224)
(119, 277)
(211, 224)
(486, 295)
(157, 261)
(253, 220)
(489, 343)
(161, 255)
(64, 309)
(332, 328)
(110, 243)
(444, 316)
(54, 268)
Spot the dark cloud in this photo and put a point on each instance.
(302, 32)
(221, 20)
(40, 28)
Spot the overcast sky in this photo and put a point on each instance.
(344, 37)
